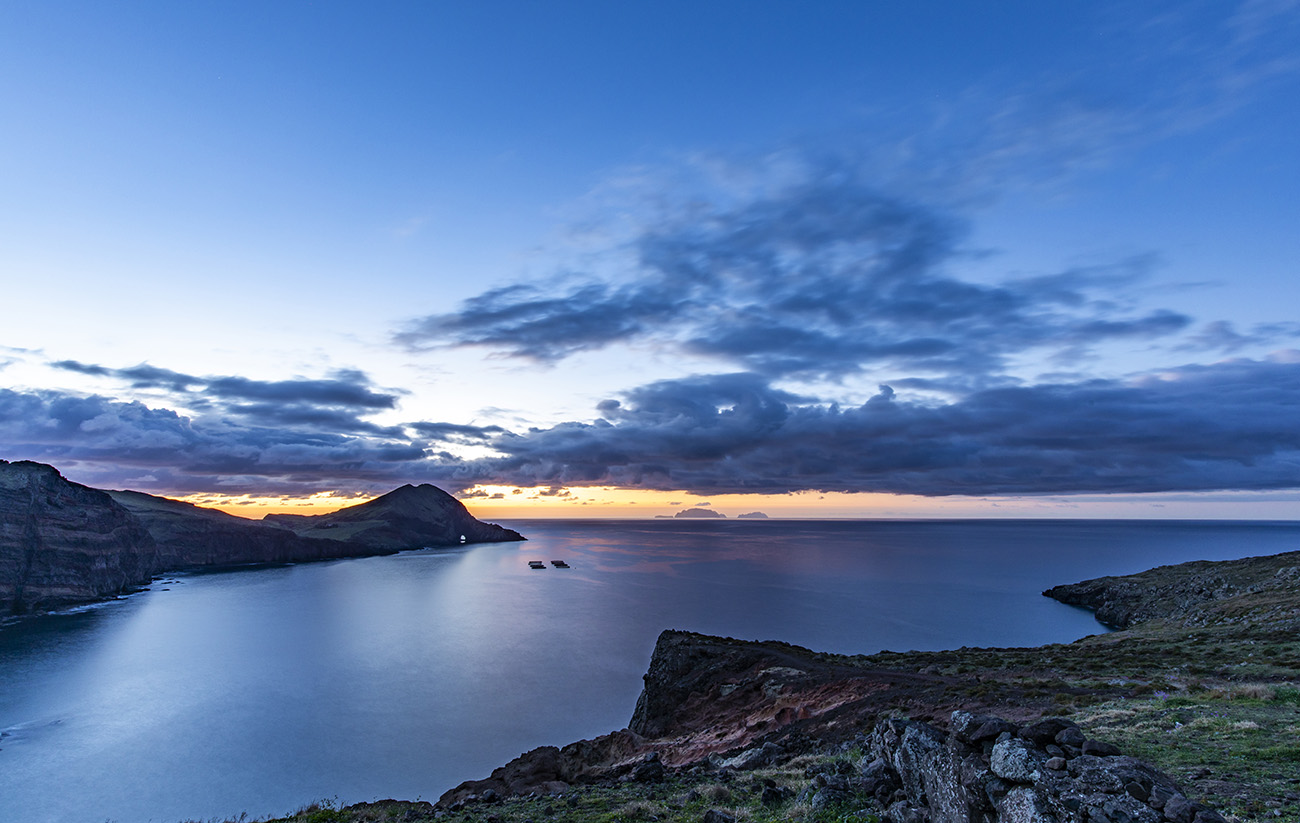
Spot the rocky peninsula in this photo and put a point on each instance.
(1189, 714)
(62, 543)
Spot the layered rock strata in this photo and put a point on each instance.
(61, 542)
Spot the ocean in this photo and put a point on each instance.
(260, 690)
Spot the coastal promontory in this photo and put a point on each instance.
(63, 543)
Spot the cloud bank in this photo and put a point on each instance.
(1230, 425)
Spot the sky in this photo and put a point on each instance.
(584, 259)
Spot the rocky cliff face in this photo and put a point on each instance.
(410, 517)
(62, 543)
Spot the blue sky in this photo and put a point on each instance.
(841, 258)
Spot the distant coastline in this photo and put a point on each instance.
(64, 544)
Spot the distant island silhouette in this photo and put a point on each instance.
(696, 512)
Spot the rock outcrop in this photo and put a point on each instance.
(986, 770)
(551, 770)
(410, 517)
(63, 543)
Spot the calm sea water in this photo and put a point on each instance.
(261, 690)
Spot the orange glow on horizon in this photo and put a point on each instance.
(607, 502)
(255, 508)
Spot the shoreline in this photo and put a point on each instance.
(1225, 648)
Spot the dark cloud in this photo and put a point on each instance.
(1227, 426)
(116, 444)
(346, 388)
(349, 391)
(83, 368)
(825, 277)
(528, 323)
(455, 433)
(142, 376)
(298, 414)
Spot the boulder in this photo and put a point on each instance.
(1015, 761)
(1045, 731)
(755, 758)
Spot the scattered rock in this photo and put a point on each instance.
(776, 795)
(1099, 749)
(1045, 731)
(827, 797)
(755, 758)
(1070, 737)
(993, 729)
(649, 770)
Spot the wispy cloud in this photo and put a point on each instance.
(335, 403)
(824, 277)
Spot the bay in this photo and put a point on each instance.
(260, 690)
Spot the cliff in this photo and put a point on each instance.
(409, 517)
(63, 543)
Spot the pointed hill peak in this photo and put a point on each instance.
(405, 518)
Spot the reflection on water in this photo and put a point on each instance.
(261, 690)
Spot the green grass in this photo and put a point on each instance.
(1233, 747)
